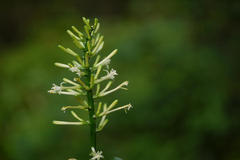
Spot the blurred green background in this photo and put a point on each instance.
(180, 57)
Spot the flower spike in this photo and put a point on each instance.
(87, 68)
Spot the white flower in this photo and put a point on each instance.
(56, 89)
(59, 90)
(110, 75)
(96, 155)
(75, 68)
(129, 107)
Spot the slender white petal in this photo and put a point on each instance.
(68, 123)
(128, 107)
(107, 58)
(76, 116)
(64, 108)
(113, 90)
(106, 87)
(69, 93)
(70, 82)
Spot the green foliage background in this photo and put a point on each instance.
(180, 57)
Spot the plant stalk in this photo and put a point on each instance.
(91, 112)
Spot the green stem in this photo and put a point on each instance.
(91, 112)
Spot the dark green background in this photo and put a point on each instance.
(180, 57)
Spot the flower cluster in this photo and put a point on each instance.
(96, 155)
(87, 68)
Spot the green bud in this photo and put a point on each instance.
(87, 31)
(73, 35)
(77, 31)
(61, 65)
(68, 50)
(86, 21)
(113, 104)
(99, 43)
(89, 47)
(97, 38)
(95, 22)
(79, 44)
(97, 28)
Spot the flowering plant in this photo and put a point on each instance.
(87, 67)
